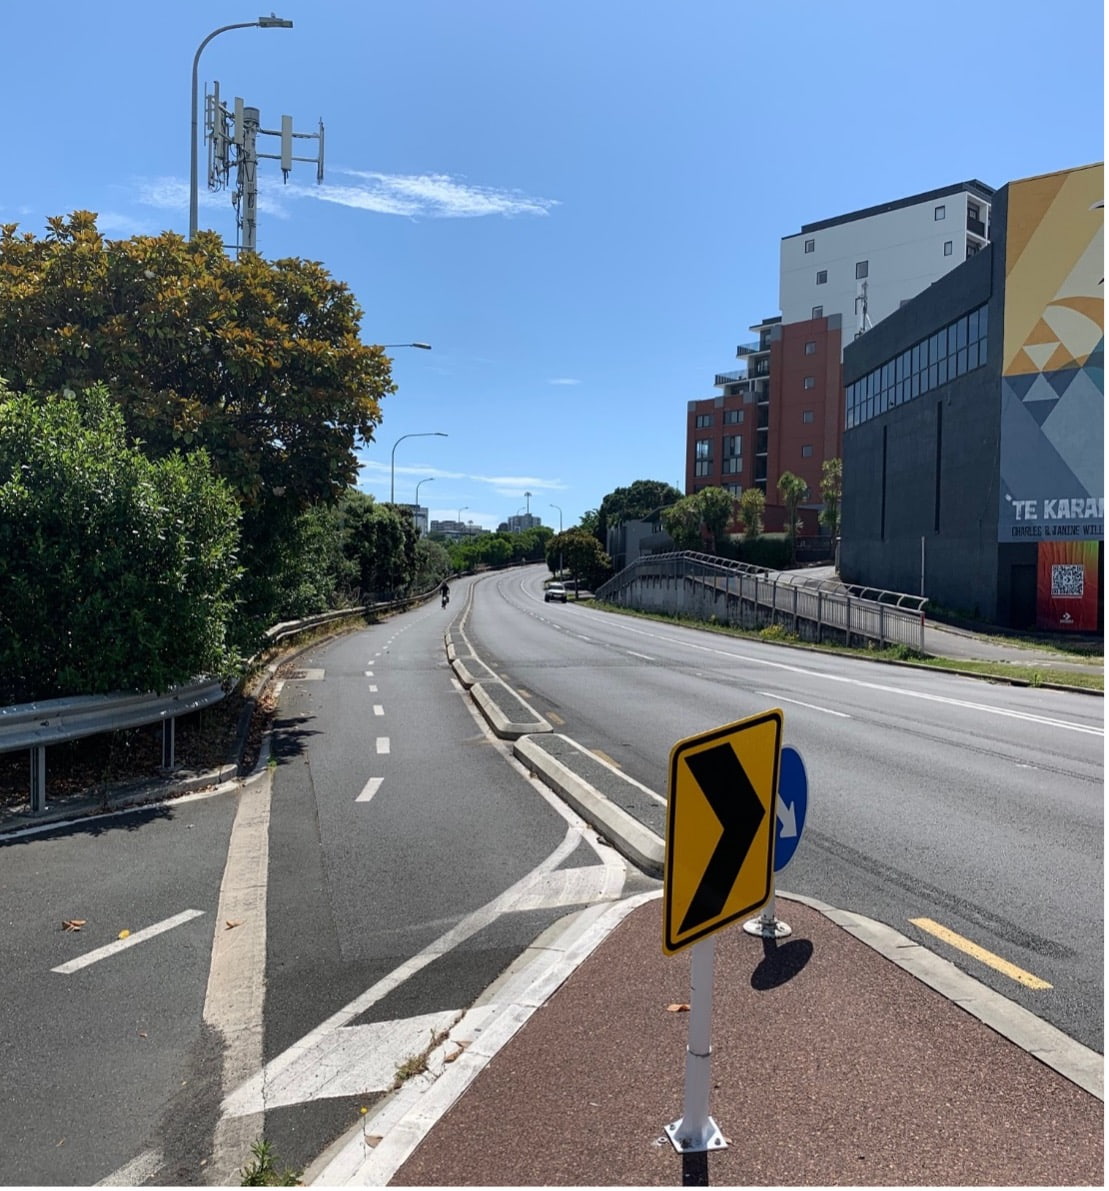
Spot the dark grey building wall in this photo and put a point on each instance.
(929, 468)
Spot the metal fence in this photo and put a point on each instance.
(34, 726)
(752, 597)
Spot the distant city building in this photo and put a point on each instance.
(456, 529)
(419, 516)
(973, 453)
(783, 411)
(522, 521)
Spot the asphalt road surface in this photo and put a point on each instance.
(937, 803)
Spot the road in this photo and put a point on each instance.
(974, 806)
(267, 960)
(373, 883)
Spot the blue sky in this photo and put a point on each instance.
(578, 205)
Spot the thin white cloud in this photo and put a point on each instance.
(502, 485)
(436, 196)
(563, 380)
(171, 194)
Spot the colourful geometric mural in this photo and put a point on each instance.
(1052, 386)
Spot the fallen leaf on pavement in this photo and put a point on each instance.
(678, 1007)
(123, 934)
(231, 925)
(73, 923)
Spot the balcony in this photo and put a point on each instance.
(748, 349)
(976, 226)
(729, 378)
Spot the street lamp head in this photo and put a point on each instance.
(423, 346)
(274, 22)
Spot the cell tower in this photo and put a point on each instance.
(232, 136)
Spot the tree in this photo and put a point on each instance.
(831, 490)
(433, 565)
(259, 362)
(632, 503)
(752, 505)
(718, 511)
(116, 572)
(582, 556)
(589, 522)
(793, 491)
(682, 521)
(381, 540)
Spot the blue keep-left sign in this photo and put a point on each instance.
(793, 800)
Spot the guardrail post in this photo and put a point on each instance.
(795, 609)
(168, 732)
(881, 626)
(848, 622)
(819, 617)
(38, 778)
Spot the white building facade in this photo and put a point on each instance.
(867, 264)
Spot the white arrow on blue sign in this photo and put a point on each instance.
(793, 801)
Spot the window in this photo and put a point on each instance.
(732, 416)
(818, 312)
(974, 211)
(809, 382)
(862, 268)
(947, 247)
(810, 245)
(704, 420)
(822, 277)
(702, 468)
(806, 451)
(807, 415)
(733, 466)
(734, 489)
(733, 445)
(972, 248)
(941, 212)
(810, 347)
(702, 449)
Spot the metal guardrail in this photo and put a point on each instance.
(751, 597)
(36, 725)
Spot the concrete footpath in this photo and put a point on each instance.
(843, 1054)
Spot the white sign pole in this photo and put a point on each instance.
(697, 1131)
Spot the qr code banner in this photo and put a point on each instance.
(1067, 581)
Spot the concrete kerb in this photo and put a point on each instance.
(1081, 1065)
(507, 714)
(627, 835)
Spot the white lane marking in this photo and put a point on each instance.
(645, 657)
(378, 709)
(140, 936)
(810, 706)
(1028, 716)
(252, 1095)
(383, 744)
(134, 1173)
(373, 688)
(370, 789)
(369, 674)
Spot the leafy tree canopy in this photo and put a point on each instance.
(259, 362)
(116, 572)
(634, 502)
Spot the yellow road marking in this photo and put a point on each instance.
(980, 953)
(606, 757)
(555, 718)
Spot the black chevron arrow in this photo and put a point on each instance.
(729, 792)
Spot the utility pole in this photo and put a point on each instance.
(232, 136)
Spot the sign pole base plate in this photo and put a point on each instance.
(768, 928)
(707, 1138)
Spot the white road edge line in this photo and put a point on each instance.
(810, 706)
(140, 936)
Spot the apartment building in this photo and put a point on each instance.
(784, 410)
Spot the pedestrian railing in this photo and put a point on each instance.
(748, 596)
(34, 726)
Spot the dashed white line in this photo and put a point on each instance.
(370, 789)
(140, 936)
(633, 654)
(378, 709)
(373, 689)
(810, 706)
(382, 744)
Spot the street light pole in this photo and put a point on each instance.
(424, 481)
(460, 512)
(424, 346)
(270, 22)
(553, 506)
(393, 455)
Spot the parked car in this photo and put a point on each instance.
(555, 591)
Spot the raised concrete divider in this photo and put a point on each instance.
(594, 789)
(508, 715)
